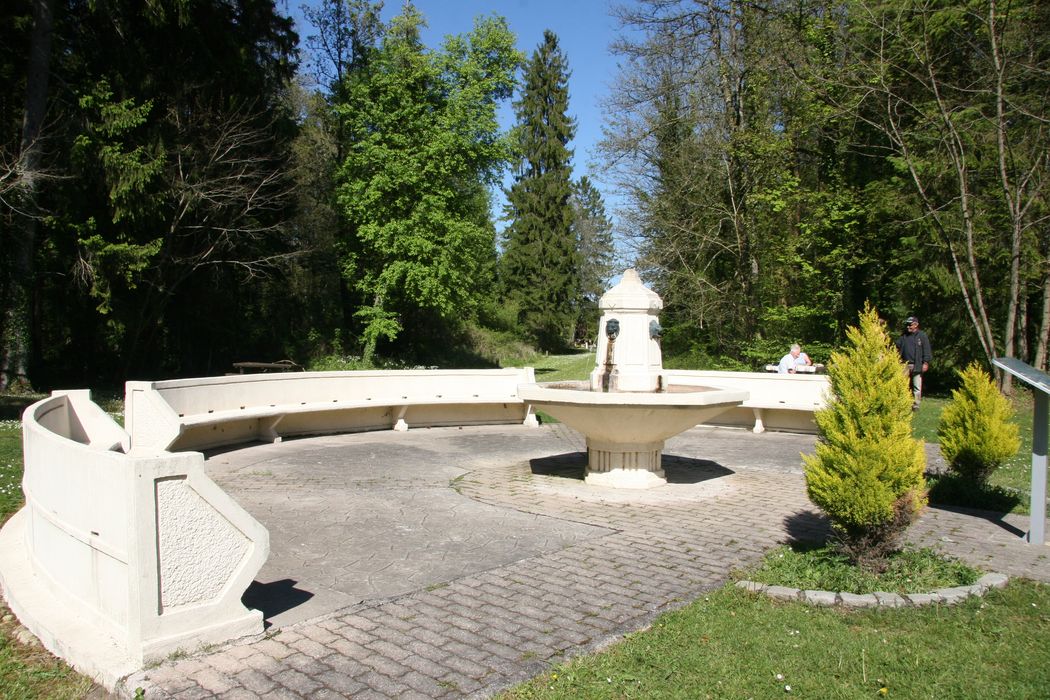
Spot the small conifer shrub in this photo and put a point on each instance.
(975, 431)
(867, 471)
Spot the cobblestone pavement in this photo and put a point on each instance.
(453, 563)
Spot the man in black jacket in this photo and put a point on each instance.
(914, 348)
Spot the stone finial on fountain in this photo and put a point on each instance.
(629, 360)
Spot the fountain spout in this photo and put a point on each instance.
(608, 375)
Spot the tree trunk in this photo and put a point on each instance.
(14, 364)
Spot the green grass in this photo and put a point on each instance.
(732, 644)
(559, 368)
(823, 569)
(32, 672)
(11, 498)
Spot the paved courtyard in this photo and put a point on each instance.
(456, 562)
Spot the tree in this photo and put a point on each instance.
(163, 151)
(593, 232)
(21, 184)
(541, 259)
(955, 97)
(975, 431)
(348, 32)
(739, 211)
(867, 471)
(421, 140)
(594, 238)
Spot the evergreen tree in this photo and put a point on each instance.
(867, 472)
(975, 430)
(541, 264)
(593, 232)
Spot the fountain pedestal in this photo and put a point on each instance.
(634, 466)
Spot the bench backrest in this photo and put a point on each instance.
(767, 390)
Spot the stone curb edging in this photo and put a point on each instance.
(879, 599)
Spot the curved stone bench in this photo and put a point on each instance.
(184, 414)
(126, 551)
(777, 402)
(118, 560)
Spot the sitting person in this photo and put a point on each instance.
(789, 361)
(803, 360)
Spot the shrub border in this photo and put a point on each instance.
(878, 599)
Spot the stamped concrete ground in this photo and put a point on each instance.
(452, 563)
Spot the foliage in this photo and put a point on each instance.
(976, 433)
(784, 163)
(867, 471)
(740, 211)
(730, 644)
(421, 140)
(540, 267)
(779, 164)
(165, 189)
(1009, 485)
(592, 230)
(826, 569)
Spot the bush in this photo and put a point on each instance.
(867, 472)
(975, 431)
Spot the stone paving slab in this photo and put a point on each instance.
(451, 563)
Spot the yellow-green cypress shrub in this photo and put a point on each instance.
(975, 431)
(867, 471)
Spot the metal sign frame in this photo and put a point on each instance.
(1040, 383)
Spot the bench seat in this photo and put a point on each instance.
(209, 412)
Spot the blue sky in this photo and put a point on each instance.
(584, 28)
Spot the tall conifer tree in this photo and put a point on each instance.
(541, 259)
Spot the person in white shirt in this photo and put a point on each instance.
(789, 361)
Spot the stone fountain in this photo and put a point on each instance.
(627, 410)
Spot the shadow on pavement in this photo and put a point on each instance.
(678, 470)
(807, 527)
(274, 598)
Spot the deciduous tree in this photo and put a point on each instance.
(421, 140)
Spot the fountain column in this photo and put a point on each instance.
(630, 358)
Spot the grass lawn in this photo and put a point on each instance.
(732, 644)
(558, 368)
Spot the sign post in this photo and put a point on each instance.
(1040, 383)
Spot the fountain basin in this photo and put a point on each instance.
(626, 431)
